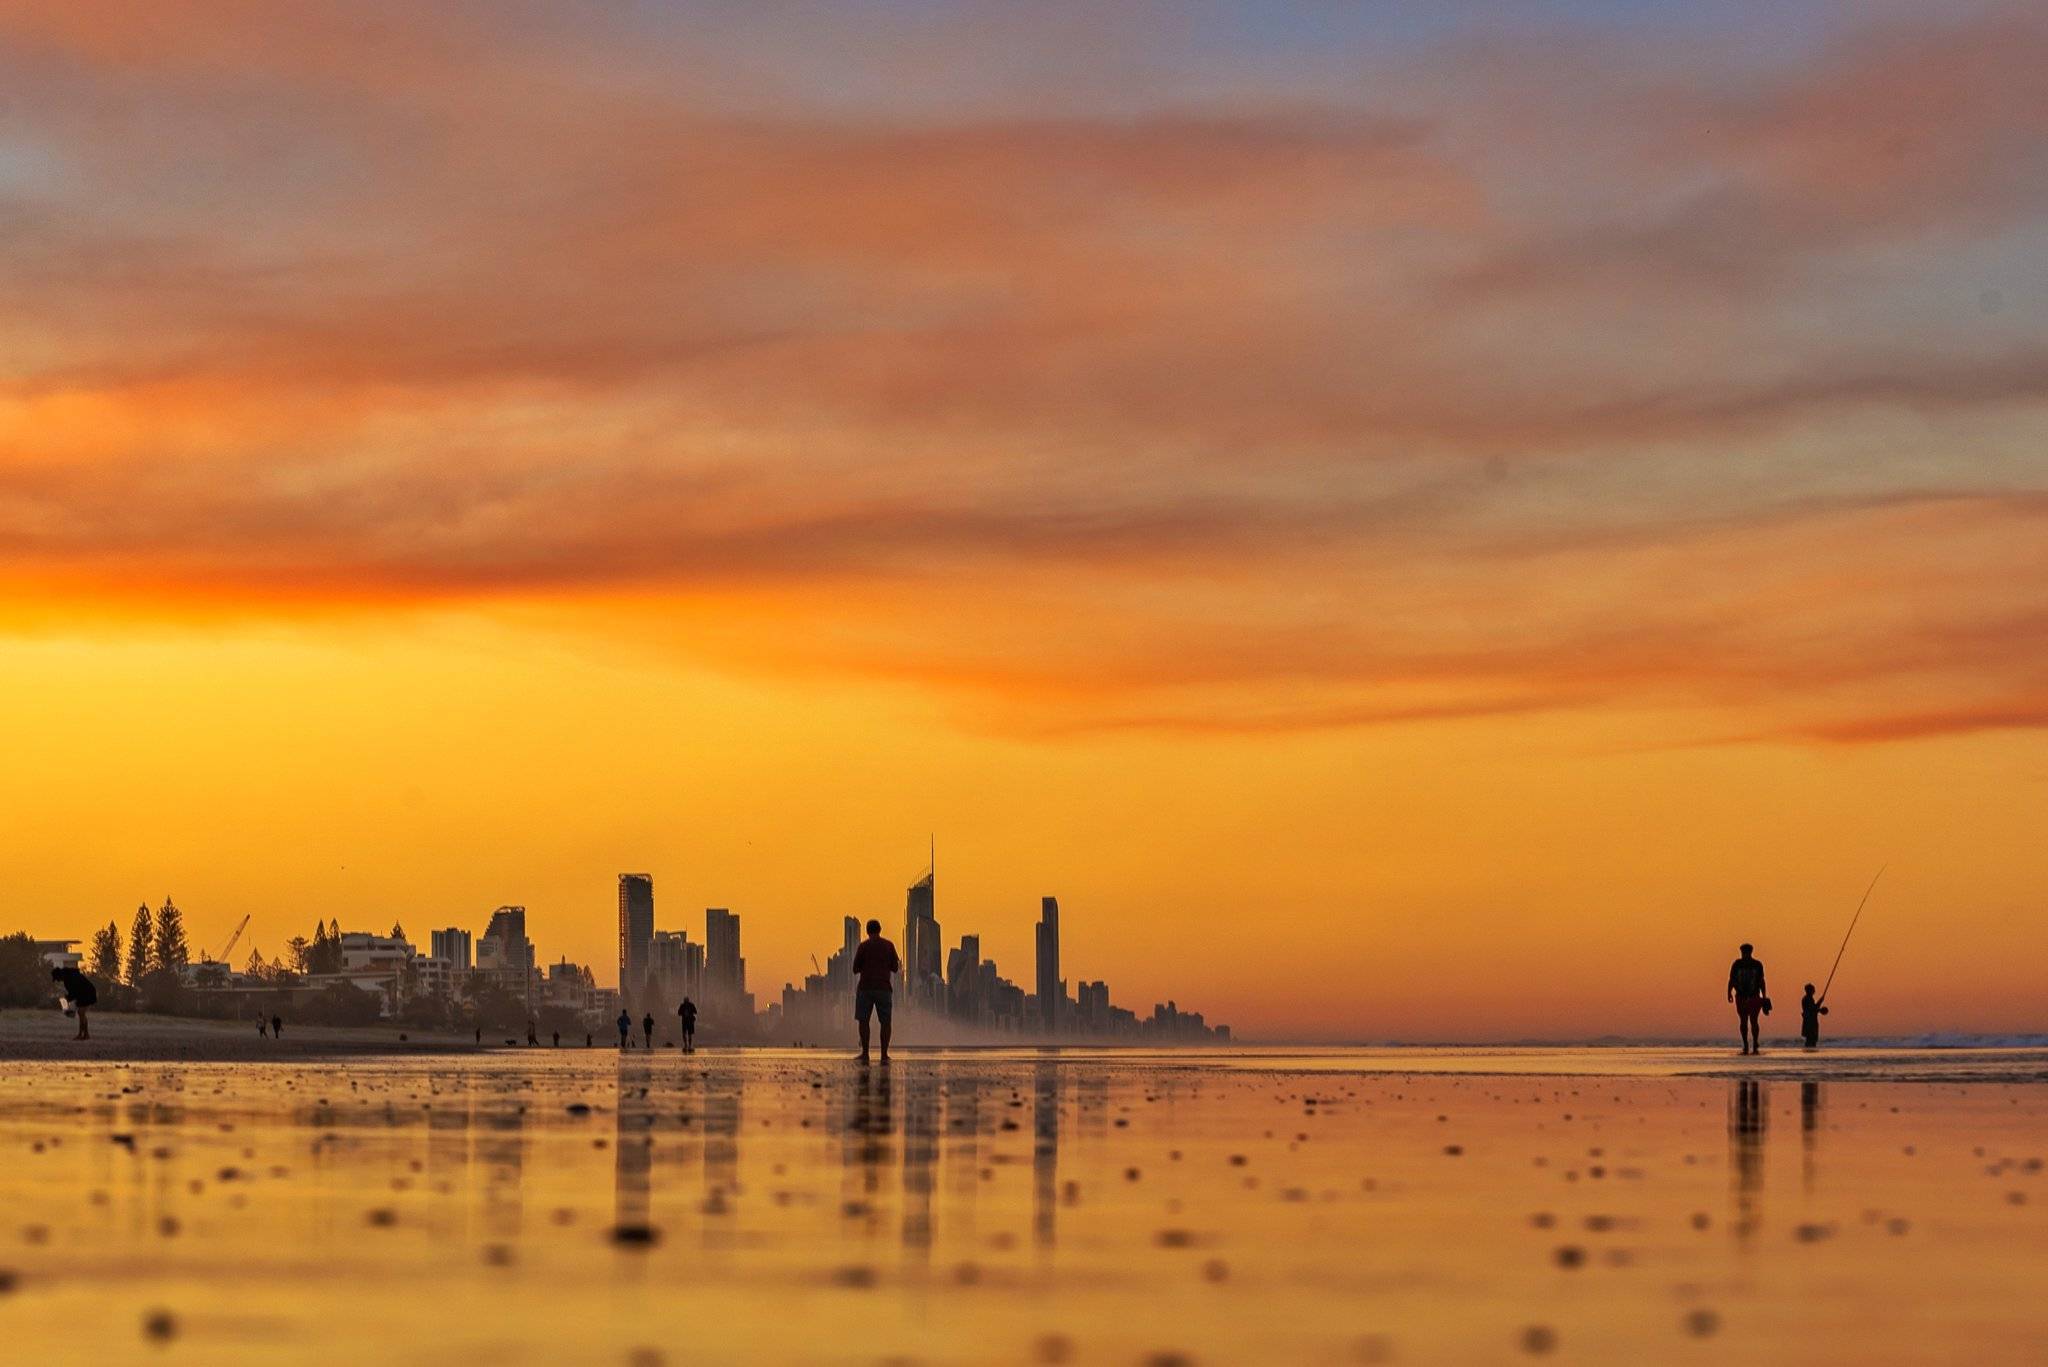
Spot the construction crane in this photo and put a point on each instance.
(233, 940)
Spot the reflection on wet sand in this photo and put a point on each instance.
(632, 1151)
(961, 1207)
(1749, 1118)
(1045, 1150)
(1810, 1102)
(920, 1155)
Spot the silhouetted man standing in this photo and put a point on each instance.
(80, 994)
(1746, 990)
(873, 993)
(687, 1014)
(647, 1028)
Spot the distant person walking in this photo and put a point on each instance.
(531, 1038)
(625, 1031)
(79, 995)
(277, 1027)
(262, 1028)
(1746, 990)
(873, 964)
(687, 1014)
(558, 1039)
(1810, 1012)
(647, 1028)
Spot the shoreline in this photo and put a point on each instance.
(40, 1036)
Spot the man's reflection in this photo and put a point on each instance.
(632, 1145)
(1748, 1115)
(869, 1128)
(1810, 1105)
(920, 1155)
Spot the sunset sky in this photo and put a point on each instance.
(1413, 521)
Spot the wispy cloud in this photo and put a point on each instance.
(1220, 402)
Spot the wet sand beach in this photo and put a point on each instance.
(124, 1037)
(1031, 1206)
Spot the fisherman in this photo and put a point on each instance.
(875, 962)
(1746, 990)
(1810, 1012)
(79, 994)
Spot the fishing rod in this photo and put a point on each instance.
(1846, 934)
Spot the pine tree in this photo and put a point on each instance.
(171, 950)
(325, 954)
(255, 968)
(299, 954)
(141, 936)
(106, 954)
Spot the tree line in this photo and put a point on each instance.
(145, 970)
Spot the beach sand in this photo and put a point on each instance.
(1029, 1206)
(123, 1037)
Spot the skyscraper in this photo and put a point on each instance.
(506, 952)
(453, 945)
(636, 936)
(1049, 990)
(922, 956)
(841, 965)
(725, 972)
(675, 967)
(963, 979)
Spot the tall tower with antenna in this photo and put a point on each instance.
(922, 972)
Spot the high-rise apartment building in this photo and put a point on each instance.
(725, 972)
(963, 979)
(454, 946)
(1049, 990)
(675, 968)
(636, 936)
(506, 954)
(922, 956)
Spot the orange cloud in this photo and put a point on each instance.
(1244, 413)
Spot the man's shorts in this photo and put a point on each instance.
(1748, 1007)
(866, 1003)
